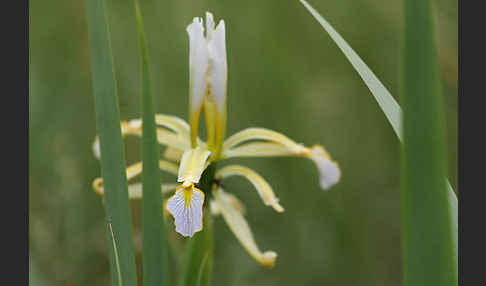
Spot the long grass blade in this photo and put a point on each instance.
(428, 252)
(154, 237)
(112, 157)
(387, 103)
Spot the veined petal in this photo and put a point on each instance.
(186, 208)
(135, 170)
(193, 163)
(241, 229)
(263, 188)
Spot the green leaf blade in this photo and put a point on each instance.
(112, 156)
(388, 105)
(428, 251)
(154, 237)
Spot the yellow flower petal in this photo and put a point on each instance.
(263, 188)
(193, 163)
(133, 171)
(240, 228)
(280, 145)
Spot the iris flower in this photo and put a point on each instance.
(207, 90)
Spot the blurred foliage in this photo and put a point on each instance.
(284, 73)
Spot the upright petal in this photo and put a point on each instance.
(263, 188)
(186, 208)
(198, 65)
(218, 81)
(193, 164)
(241, 229)
(218, 66)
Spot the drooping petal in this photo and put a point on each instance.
(263, 188)
(255, 133)
(234, 201)
(193, 163)
(198, 66)
(277, 144)
(177, 137)
(176, 124)
(329, 172)
(186, 208)
(258, 149)
(134, 171)
(240, 228)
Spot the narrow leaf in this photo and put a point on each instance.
(428, 252)
(154, 238)
(111, 146)
(385, 100)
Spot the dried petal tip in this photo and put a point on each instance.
(268, 259)
(329, 172)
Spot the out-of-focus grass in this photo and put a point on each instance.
(283, 72)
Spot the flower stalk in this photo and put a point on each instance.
(198, 257)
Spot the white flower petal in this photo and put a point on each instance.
(240, 228)
(198, 63)
(209, 25)
(329, 173)
(193, 163)
(186, 208)
(218, 70)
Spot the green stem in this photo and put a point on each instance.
(198, 257)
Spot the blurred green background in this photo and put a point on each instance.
(284, 73)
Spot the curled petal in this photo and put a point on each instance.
(193, 164)
(174, 123)
(280, 145)
(233, 200)
(262, 134)
(263, 188)
(258, 149)
(178, 137)
(133, 171)
(135, 190)
(241, 229)
(186, 208)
